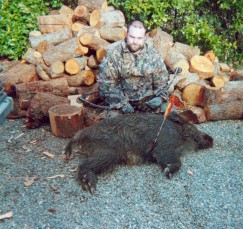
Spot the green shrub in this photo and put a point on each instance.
(17, 19)
(210, 25)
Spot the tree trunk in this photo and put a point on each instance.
(202, 66)
(53, 23)
(52, 38)
(113, 18)
(37, 112)
(224, 111)
(66, 120)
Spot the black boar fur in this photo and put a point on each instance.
(127, 139)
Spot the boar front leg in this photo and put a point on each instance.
(100, 161)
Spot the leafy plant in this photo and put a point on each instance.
(210, 25)
(17, 19)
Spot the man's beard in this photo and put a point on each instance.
(134, 48)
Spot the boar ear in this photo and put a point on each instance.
(174, 117)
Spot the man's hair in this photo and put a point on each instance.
(136, 24)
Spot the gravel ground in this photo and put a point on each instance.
(205, 193)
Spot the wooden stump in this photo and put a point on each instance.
(66, 120)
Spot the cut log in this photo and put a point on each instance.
(93, 63)
(109, 8)
(101, 52)
(218, 81)
(194, 115)
(113, 18)
(210, 55)
(92, 41)
(193, 94)
(88, 29)
(52, 38)
(82, 13)
(232, 91)
(84, 77)
(53, 23)
(57, 87)
(202, 66)
(112, 33)
(224, 67)
(66, 120)
(37, 113)
(190, 78)
(161, 41)
(184, 65)
(65, 10)
(34, 33)
(43, 46)
(54, 12)
(94, 4)
(41, 73)
(73, 46)
(82, 62)
(56, 69)
(186, 50)
(20, 73)
(33, 57)
(76, 26)
(224, 111)
(172, 58)
(72, 67)
(64, 51)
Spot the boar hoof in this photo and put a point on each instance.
(88, 180)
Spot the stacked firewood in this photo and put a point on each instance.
(64, 55)
(210, 90)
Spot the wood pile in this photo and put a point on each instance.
(64, 55)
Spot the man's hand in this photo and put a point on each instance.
(127, 108)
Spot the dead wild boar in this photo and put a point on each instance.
(127, 139)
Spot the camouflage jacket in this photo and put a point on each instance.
(126, 77)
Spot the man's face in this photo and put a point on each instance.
(135, 39)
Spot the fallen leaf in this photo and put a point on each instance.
(49, 154)
(19, 136)
(29, 181)
(6, 215)
(189, 172)
(56, 176)
(52, 210)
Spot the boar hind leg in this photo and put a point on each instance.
(101, 161)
